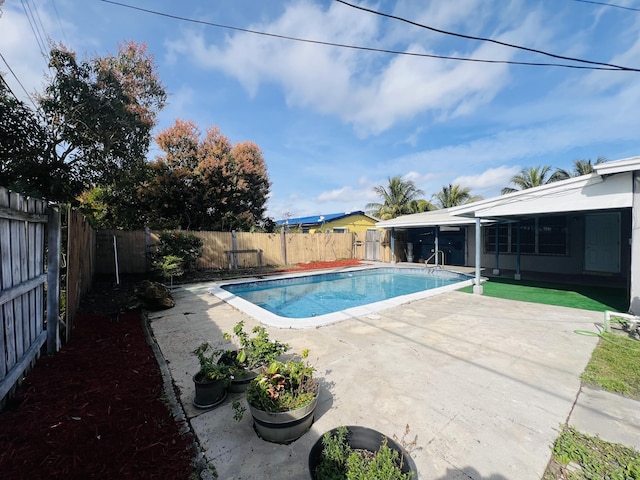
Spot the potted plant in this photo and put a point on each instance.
(256, 350)
(359, 453)
(282, 400)
(212, 379)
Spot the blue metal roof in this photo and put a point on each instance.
(317, 219)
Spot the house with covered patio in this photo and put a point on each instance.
(584, 228)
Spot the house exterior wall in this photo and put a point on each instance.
(353, 224)
(572, 263)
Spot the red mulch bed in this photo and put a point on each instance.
(94, 410)
(351, 262)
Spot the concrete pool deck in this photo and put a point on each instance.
(483, 383)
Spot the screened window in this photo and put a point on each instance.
(552, 235)
(527, 236)
(503, 238)
(340, 230)
(542, 236)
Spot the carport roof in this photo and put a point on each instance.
(609, 187)
(425, 219)
(585, 193)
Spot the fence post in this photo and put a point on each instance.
(234, 249)
(283, 246)
(53, 278)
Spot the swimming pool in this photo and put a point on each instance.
(320, 299)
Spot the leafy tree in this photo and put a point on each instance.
(580, 167)
(98, 115)
(529, 178)
(206, 183)
(454, 195)
(400, 197)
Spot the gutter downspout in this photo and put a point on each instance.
(477, 288)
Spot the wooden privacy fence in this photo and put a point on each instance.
(81, 254)
(24, 226)
(131, 251)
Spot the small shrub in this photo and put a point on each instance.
(176, 252)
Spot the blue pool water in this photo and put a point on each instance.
(322, 294)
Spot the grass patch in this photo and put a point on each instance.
(585, 297)
(591, 458)
(615, 366)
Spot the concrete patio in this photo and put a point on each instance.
(484, 384)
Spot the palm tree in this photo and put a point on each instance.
(580, 167)
(529, 178)
(454, 195)
(400, 197)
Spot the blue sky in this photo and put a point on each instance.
(333, 123)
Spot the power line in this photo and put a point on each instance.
(33, 24)
(483, 39)
(55, 8)
(613, 5)
(371, 49)
(17, 80)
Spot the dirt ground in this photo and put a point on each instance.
(96, 408)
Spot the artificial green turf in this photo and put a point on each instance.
(585, 297)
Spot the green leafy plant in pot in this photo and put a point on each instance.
(256, 350)
(212, 378)
(360, 453)
(282, 400)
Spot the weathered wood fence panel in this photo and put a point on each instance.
(130, 247)
(81, 257)
(22, 278)
(276, 249)
(303, 247)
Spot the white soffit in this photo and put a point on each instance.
(589, 192)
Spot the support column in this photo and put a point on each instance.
(436, 243)
(393, 245)
(496, 269)
(517, 274)
(634, 291)
(477, 288)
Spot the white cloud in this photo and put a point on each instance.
(489, 179)
(371, 91)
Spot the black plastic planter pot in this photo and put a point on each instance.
(239, 383)
(362, 438)
(208, 393)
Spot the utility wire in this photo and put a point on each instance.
(371, 49)
(34, 27)
(613, 5)
(483, 39)
(17, 80)
(60, 22)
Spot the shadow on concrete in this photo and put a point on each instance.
(469, 473)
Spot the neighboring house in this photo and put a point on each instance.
(582, 226)
(349, 222)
